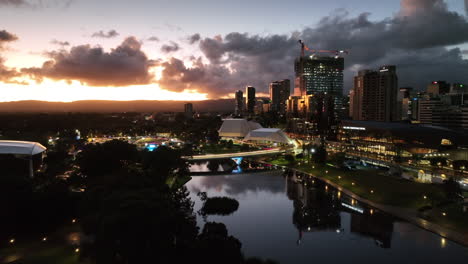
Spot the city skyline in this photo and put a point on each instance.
(142, 57)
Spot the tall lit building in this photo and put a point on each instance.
(250, 96)
(279, 94)
(188, 110)
(438, 88)
(315, 74)
(375, 95)
(239, 103)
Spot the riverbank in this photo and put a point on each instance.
(397, 197)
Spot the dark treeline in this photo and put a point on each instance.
(132, 206)
(41, 127)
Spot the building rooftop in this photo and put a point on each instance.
(20, 147)
(420, 134)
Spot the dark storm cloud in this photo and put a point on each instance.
(194, 38)
(153, 38)
(171, 47)
(15, 3)
(60, 43)
(466, 7)
(415, 40)
(7, 74)
(101, 34)
(122, 66)
(36, 3)
(6, 36)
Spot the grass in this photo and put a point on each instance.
(51, 254)
(219, 149)
(373, 185)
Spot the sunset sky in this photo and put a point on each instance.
(69, 50)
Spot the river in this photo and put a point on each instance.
(295, 222)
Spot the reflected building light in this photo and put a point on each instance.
(356, 209)
(443, 242)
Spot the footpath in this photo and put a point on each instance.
(399, 212)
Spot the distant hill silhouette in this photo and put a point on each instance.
(221, 105)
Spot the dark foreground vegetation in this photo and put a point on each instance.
(128, 206)
(218, 205)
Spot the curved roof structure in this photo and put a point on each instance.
(237, 127)
(20, 147)
(268, 134)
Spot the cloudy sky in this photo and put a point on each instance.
(67, 50)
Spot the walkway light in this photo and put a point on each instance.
(12, 241)
(444, 214)
(73, 220)
(425, 197)
(371, 191)
(339, 177)
(352, 183)
(44, 239)
(77, 250)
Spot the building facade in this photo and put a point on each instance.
(374, 96)
(239, 108)
(279, 94)
(316, 74)
(188, 110)
(250, 98)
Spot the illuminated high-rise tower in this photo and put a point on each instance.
(317, 75)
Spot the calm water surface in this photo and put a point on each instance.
(292, 222)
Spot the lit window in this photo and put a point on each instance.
(446, 142)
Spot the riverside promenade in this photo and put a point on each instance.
(399, 212)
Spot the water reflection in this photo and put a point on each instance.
(295, 219)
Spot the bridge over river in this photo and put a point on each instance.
(257, 153)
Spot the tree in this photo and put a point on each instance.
(229, 144)
(452, 189)
(320, 155)
(215, 245)
(164, 163)
(100, 159)
(213, 165)
(289, 158)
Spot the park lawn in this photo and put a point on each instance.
(391, 191)
(56, 255)
(40, 253)
(386, 190)
(454, 217)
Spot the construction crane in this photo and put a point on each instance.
(304, 48)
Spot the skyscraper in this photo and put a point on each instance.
(315, 74)
(239, 103)
(374, 96)
(279, 94)
(188, 110)
(437, 88)
(250, 96)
